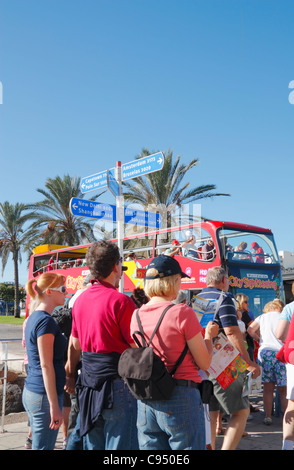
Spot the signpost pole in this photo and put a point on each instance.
(120, 217)
(134, 169)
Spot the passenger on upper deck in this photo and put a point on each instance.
(174, 249)
(131, 256)
(240, 254)
(51, 261)
(188, 246)
(257, 252)
(208, 250)
(228, 247)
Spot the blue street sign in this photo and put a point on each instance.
(96, 181)
(138, 217)
(143, 166)
(92, 209)
(100, 210)
(112, 183)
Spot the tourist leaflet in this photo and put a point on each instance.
(227, 363)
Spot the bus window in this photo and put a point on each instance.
(142, 246)
(43, 264)
(140, 253)
(196, 244)
(248, 247)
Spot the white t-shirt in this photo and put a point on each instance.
(267, 324)
(75, 296)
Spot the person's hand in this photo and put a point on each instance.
(211, 330)
(70, 385)
(56, 417)
(255, 369)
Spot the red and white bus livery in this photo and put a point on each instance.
(247, 252)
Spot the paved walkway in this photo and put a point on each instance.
(16, 431)
(260, 436)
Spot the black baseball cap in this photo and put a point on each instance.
(166, 266)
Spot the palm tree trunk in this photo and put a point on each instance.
(16, 285)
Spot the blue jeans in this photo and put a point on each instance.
(116, 429)
(174, 424)
(38, 409)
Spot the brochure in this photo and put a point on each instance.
(201, 308)
(226, 363)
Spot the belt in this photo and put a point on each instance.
(187, 383)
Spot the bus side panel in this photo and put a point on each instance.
(195, 269)
(260, 284)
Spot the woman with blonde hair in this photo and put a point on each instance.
(273, 371)
(176, 423)
(243, 307)
(45, 345)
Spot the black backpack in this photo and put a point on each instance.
(63, 318)
(143, 371)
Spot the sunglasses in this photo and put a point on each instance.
(123, 268)
(61, 289)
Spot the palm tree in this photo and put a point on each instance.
(54, 220)
(13, 236)
(164, 190)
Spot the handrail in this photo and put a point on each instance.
(4, 378)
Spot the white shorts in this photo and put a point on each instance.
(290, 381)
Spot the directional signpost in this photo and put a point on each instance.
(112, 184)
(134, 169)
(92, 209)
(96, 181)
(142, 166)
(100, 210)
(113, 180)
(138, 217)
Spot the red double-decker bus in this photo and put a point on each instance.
(247, 252)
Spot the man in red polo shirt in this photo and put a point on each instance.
(101, 330)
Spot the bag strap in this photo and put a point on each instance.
(155, 329)
(141, 333)
(137, 341)
(220, 300)
(180, 359)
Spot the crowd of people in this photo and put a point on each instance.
(82, 370)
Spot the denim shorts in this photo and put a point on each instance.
(38, 409)
(174, 424)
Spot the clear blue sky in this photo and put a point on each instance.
(89, 82)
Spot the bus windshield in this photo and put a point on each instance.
(247, 247)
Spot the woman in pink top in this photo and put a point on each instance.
(177, 423)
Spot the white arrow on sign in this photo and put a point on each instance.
(142, 166)
(96, 181)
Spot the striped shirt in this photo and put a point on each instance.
(227, 314)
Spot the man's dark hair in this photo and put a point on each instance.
(101, 258)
